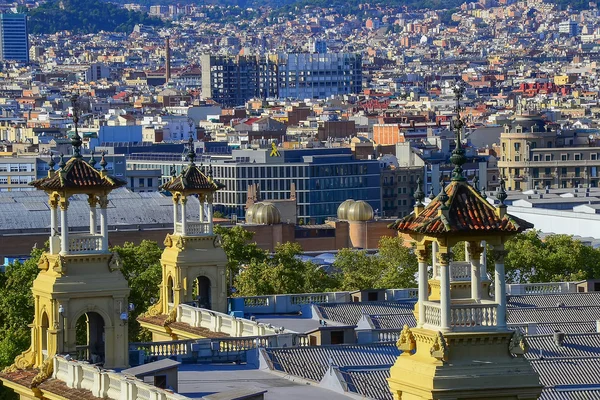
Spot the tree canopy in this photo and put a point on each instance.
(86, 16)
(142, 269)
(282, 272)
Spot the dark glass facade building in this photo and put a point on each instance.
(14, 41)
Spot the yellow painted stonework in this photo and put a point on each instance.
(80, 284)
(465, 365)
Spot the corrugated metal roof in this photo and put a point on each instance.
(312, 362)
(551, 300)
(393, 321)
(350, 313)
(371, 383)
(28, 211)
(573, 345)
(553, 314)
(567, 371)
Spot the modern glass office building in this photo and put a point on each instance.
(323, 178)
(14, 41)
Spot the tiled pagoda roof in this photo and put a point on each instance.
(192, 179)
(467, 213)
(78, 174)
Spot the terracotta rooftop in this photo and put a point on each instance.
(182, 326)
(55, 386)
(468, 212)
(78, 173)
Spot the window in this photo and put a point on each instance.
(564, 157)
(141, 182)
(593, 156)
(517, 158)
(577, 157)
(149, 182)
(517, 146)
(548, 157)
(536, 157)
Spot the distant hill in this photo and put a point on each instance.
(85, 16)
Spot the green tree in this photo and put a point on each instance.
(16, 307)
(399, 263)
(555, 258)
(239, 248)
(142, 269)
(281, 273)
(394, 266)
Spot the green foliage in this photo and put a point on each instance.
(239, 248)
(142, 269)
(395, 266)
(556, 258)
(86, 16)
(282, 273)
(16, 307)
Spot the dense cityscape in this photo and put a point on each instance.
(252, 200)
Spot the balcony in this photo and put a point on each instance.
(463, 316)
(193, 228)
(81, 243)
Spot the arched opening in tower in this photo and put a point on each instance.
(90, 340)
(45, 325)
(202, 292)
(170, 292)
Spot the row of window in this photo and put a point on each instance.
(16, 167)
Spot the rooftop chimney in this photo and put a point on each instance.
(168, 61)
(559, 338)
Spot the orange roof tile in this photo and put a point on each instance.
(468, 213)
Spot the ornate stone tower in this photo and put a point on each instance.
(80, 294)
(193, 263)
(461, 348)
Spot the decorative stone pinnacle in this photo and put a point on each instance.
(103, 162)
(419, 194)
(443, 195)
(431, 194)
(173, 171)
(458, 155)
(51, 163)
(191, 152)
(483, 192)
(501, 195)
(76, 141)
(93, 160)
(61, 162)
(476, 182)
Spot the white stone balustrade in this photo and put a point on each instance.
(292, 303)
(464, 316)
(106, 384)
(85, 243)
(460, 271)
(219, 322)
(541, 288)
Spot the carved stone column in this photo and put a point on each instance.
(445, 303)
(423, 283)
(500, 285)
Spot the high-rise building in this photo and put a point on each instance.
(14, 42)
(310, 76)
(323, 178)
(232, 81)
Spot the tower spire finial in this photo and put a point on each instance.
(501, 195)
(76, 141)
(191, 151)
(458, 155)
(419, 194)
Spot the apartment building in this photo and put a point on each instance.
(534, 155)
